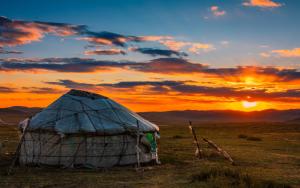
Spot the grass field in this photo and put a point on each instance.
(266, 155)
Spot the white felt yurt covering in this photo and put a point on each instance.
(85, 129)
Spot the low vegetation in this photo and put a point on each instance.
(226, 177)
(272, 162)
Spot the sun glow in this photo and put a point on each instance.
(247, 104)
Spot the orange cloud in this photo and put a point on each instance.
(197, 47)
(16, 32)
(97, 40)
(174, 45)
(155, 38)
(288, 53)
(193, 47)
(262, 3)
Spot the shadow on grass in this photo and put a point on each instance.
(250, 138)
(177, 137)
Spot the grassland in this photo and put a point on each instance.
(266, 155)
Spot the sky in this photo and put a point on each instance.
(152, 55)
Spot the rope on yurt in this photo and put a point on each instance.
(137, 145)
(86, 150)
(81, 104)
(120, 123)
(75, 154)
(124, 148)
(104, 136)
(33, 147)
(60, 150)
(40, 147)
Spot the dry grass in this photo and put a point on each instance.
(274, 161)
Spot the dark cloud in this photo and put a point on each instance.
(159, 86)
(109, 38)
(178, 88)
(72, 84)
(42, 90)
(142, 83)
(61, 64)
(185, 88)
(3, 51)
(278, 73)
(4, 89)
(159, 52)
(105, 52)
(160, 66)
(170, 66)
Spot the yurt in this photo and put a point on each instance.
(83, 129)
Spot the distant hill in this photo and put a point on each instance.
(296, 120)
(16, 113)
(19, 110)
(12, 115)
(178, 117)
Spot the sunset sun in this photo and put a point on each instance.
(247, 104)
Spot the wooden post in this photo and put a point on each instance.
(17, 152)
(198, 152)
(220, 150)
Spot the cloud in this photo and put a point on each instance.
(2, 51)
(174, 45)
(262, 3)
(185, 88)
(160, 65)
(158, 52)
(265, 54)
(112, 51)
(4, 89)
(216, 11)
(142, 83)
(176, 88)
(17, 32)
(155, 38)
(197, 47)
(42, 90)
(224, 42)
(72, 84)
(287, 52)
(61, 64)
(276, 74)
(193, 47)
(169, 65)
(183, 66)
(109, 38)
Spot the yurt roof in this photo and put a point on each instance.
(84, 112)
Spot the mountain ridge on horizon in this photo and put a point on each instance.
(28, 108)
(182, 116)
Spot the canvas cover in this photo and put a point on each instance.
(84, 112)
(75, 151)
